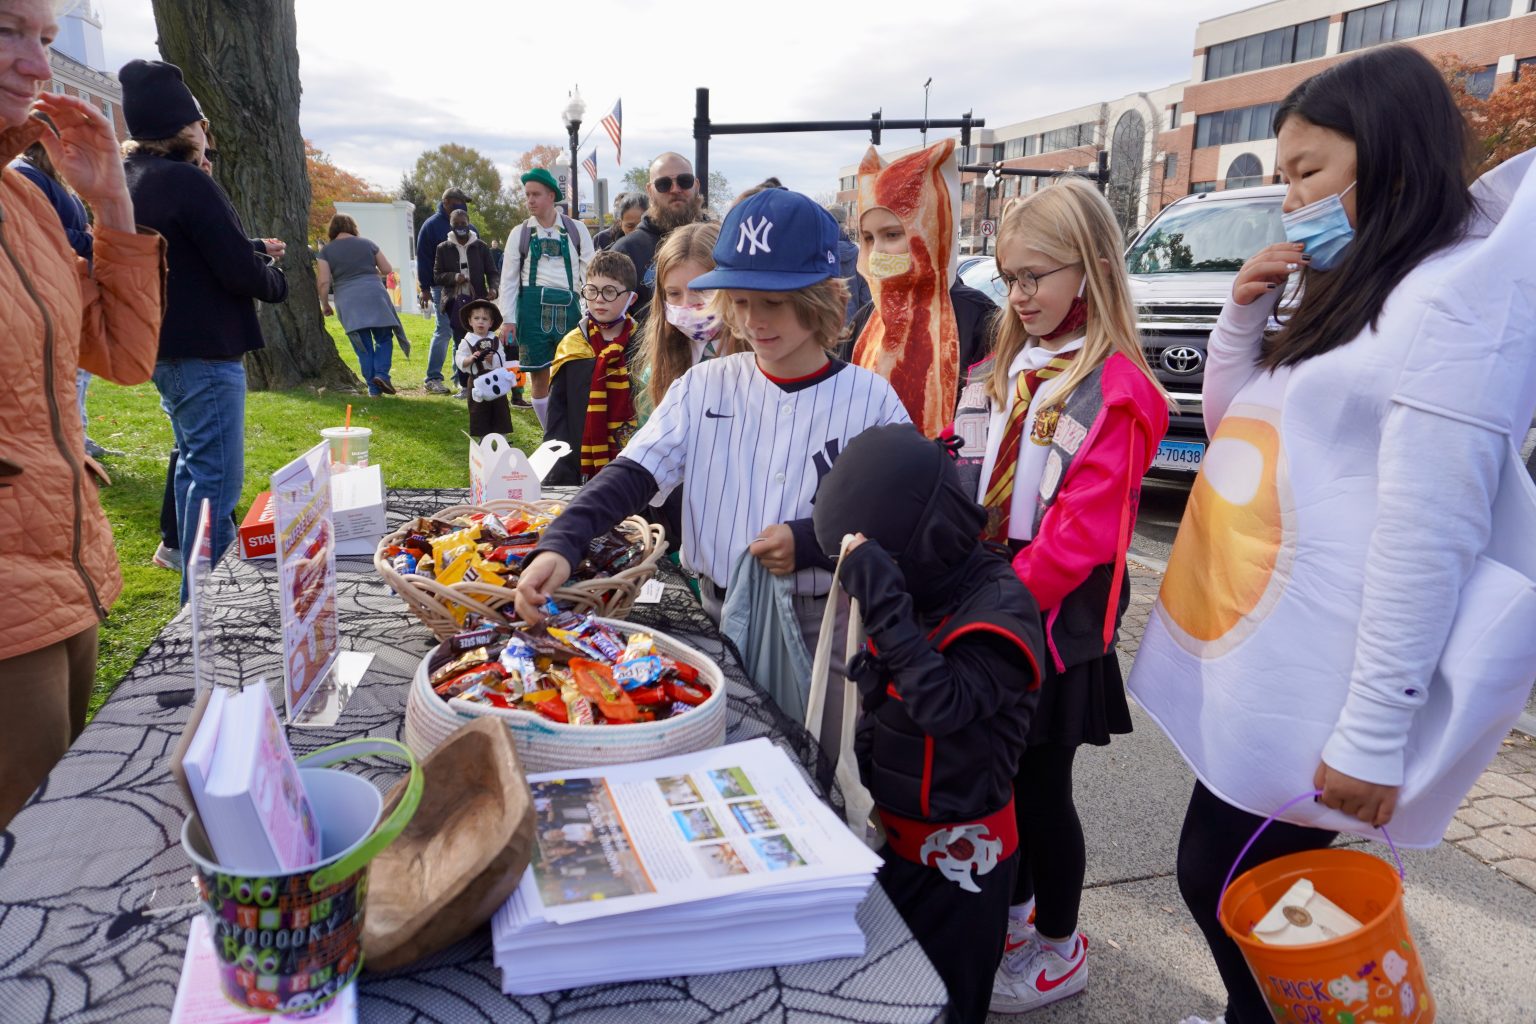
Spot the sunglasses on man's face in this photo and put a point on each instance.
(684, 183)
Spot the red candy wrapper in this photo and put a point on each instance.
(685, 693)
(596, 684)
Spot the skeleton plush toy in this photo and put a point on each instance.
(912, 339)
(499, 382)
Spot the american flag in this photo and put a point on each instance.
(614, 123)
(590, 163)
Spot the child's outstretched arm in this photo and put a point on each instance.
(619, 489)
(943, 692)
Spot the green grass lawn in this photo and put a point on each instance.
(417, 438)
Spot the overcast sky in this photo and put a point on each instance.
(385, 80)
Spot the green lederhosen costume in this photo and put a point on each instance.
(545, 315)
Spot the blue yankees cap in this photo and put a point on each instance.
(774, 241)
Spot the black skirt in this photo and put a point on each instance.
(1084, 704)
(493, 417)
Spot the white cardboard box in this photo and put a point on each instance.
(357, 504)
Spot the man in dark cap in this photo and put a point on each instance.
(214, 271)
(433, 233)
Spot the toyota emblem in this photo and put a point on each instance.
(1183, 360)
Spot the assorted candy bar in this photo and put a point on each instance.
(490, 548)
(574, 670)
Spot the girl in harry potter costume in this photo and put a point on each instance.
(1056, 431)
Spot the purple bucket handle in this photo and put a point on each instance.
(1310, 794)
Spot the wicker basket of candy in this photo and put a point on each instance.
(464, 561)
(579, 691)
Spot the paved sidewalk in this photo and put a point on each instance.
(1472, 906)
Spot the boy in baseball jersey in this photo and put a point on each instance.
(748, 436)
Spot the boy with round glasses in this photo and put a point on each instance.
(591, 403)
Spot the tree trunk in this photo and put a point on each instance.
(240, 58)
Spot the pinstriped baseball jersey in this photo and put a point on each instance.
(750, 452)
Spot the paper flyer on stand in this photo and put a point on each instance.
(662, 833)
(306, 564)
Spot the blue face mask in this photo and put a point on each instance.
(1323, 228)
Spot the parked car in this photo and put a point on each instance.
(1182, 266)
(980, 272)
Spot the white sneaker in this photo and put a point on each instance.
(1201, 1020)
(1021, 936)
(1039, 976)
(166, 558)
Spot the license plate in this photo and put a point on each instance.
(1183, 456)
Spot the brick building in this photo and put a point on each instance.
(79, 65)
(1214, 131)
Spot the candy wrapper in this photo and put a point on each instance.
(486, 675)
(596, 684)
(467, 660)
(639, 646)
(639, 672)
(517, 660)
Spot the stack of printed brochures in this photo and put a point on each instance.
(723, 859)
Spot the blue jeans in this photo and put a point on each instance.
(375, 348)
(205, 399)
(442, 336)
(82, 381)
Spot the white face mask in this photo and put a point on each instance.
(694, 321)
(885, 264)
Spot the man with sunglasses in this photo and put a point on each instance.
(541, 278)
(674, 201)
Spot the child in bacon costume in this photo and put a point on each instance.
(912, 339)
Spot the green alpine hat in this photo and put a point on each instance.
(543, 177)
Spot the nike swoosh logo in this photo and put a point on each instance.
(1009, 945)
(1044, 984)
(712, 415)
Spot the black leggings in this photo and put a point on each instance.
(1052, 856)
(1214, 833)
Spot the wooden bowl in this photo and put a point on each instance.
(461, 856)
(436, 604)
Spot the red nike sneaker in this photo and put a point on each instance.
(1038, 976)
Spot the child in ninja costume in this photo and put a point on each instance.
(947, 687)
(480, 352)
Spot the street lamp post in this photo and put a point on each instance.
(925, 109)
(572, 116)
(989, 182)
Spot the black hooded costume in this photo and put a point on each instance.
(947, 687)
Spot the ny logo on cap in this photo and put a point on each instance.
(755, 235)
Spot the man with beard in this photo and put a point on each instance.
(675, 201)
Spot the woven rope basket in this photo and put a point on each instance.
(432, 602)
(544, 745)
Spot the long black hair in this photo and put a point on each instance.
(1413, 161)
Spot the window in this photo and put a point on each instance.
(1311, 39)
(1173, 116)
(1267, 49)
(848, 184)
(1032, 146)
(1524, 64)
(1170, 166)
(1245, 171)
(1196, 187)
(1013, 149)
(1067, 138)
(966, 190)
(1479, 11)
(1244, 124)
(1404, 19)
(1480, 83)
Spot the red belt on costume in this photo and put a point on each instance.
(957, 849)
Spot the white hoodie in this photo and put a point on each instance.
(1342, 509)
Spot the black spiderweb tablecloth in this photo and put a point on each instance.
(95, 891)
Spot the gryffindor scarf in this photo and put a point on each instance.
(611, 418)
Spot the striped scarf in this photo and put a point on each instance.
(611, 417)
(999, 497)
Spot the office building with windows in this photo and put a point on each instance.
(1215, 131)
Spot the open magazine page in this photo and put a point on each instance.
(659, 833)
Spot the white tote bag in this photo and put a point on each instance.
(857, 801)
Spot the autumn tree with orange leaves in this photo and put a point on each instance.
(328, 185)
(1503, 124)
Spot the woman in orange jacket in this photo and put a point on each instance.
(58, 314)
